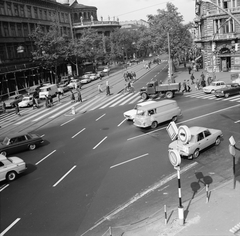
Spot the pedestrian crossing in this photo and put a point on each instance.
(98, 102)
(201, 95)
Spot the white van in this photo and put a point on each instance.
(152, 114)
(130, 115)
(50, 89)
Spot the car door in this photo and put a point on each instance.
(18, 144)
(3, 171)
(202, 141)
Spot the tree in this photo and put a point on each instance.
(49, 47)
(169, 21)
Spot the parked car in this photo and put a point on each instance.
(214, 86)
(19, 142)
(13, 100)
(63, 86)
(201, 138)
(86, 78)
(100, 74)
(94, 76)
(106, 69)
(27, 101)
(74, 83)
(230, 89)
(11, 167)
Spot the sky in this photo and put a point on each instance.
(127, 10)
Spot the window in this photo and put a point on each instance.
(25, 30)
(9, 9)
(66, 18)
(151, 112)
(45, 15)
(5, 29)
(19, 30)
(49, 15)
(22, 14)
(207, 133)
(13, 30)
(13, 140)
(1, 164)
(40, 14)
(2, 10)
(29, 12)
(16, 12)
(35, 13)
(200, 136)
(21, 138)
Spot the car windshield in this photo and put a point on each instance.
(140, 112)
(6, 141)
(26, 99)
(213, 84)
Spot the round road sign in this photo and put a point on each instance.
(174, 157)
(184, 134)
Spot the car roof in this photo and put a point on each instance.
(15, 135)
(197, 129)
(145, 103)
(157, 104)
(2, 157)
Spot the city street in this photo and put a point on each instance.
(95, 169)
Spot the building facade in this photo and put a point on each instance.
(19, 18)
(218, 34)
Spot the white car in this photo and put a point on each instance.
(106, 70)
(74, 83)
(86, 78)
(214, 86)
(27, 101)
(93, 76)
(201, 138)
(130, 115)
(10, 167)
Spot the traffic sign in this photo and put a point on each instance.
(184, 134)
(174, 157)
(172, 130)
(232, 141)
(232, 150)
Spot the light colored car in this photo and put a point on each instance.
(94, 76)
(130, 115)
(12, 100)
(11, 167)
(63, 86)
(201, 138)
(106, 69)
(27, 101)
(214, 86)
(86, 78)
(74, 83)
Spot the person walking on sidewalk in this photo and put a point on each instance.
(79, 94)
(17, 110)
(100, 88)
(184, 85)
(189, 69)
(72, 97)
(188, 86)
(59, 96)
(107, 89)
(192, 78)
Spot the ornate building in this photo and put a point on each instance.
(218, 33)
(18, 18)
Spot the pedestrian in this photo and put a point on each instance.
(46, 101)
(17, 110)
(184, 85)
(197, 66)
(192, 78)
(197, 84)
(209, 80)
(189, 69)
(202, 76)
(72, 97)
(134, 75)
(203, 83)
(79, 95)
(100, 88)
(107, 88)
(188, 86)
(50, 99)
(59, 96)
(4, 107)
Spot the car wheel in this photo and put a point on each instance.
(213, 91)
(169, 94)
(196, 154)
(11, 176)
(226, 95)
(174, 118)
(144, 96)
(32, 147)
(4, 153)
(218, 141)
(154, 125)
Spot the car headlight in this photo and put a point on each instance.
(222, 92)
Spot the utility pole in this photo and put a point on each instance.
(169, 59)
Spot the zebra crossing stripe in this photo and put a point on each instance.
(112, 101)
(88, 104)
(106, 100)
(235, 98)
(136, 99)
(114, 104)
(137, 94)
(235, 228)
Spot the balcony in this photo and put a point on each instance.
(217, 37)
(96, 24)
(217, 12)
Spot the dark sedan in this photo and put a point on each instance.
(19, 143)
(230, 89)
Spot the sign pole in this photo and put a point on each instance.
(232, 151)
(180, 207)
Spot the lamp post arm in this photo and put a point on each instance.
(228, 13)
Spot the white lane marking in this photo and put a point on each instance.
(99, 143)
(60, 112)
(100, 117)
(67, 122)
(136, 99)
(112, 101)
(122, 122)
(10, 226)
(4, 186)
(45, 157)
(195, 118)
(114, 104)
(64, 176)
(237, 121)
(137, 94)
(38, 113)
(105, 100)
(42, 135)
(124, 162)
(139, 196)
(78, 133)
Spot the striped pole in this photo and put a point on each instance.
(207, 194)
(180, 207)
(165, 214)
(110, 231)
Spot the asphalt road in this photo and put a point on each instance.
(97, 162)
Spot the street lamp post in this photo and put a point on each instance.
(169, 58)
